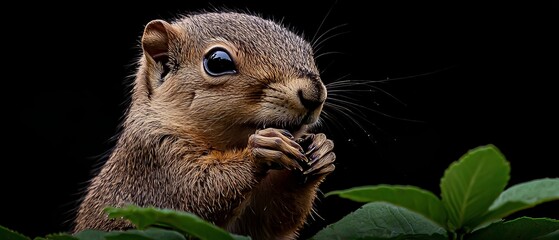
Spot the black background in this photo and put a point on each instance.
(464, 75)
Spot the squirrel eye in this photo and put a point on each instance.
(218, 62)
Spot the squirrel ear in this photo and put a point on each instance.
(155, 43)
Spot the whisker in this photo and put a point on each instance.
(350, 83)
(327, 53)
(330, 118)
(322, 23)
(323, 70)
(332, 126)
(358, 106)
(316, 42)
(339, 100)
(339, 97)
(336, 127)
(337, 79)
(388, 79)
(319, 45)
(349, 90)
(347, 113)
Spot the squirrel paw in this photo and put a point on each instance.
(318, 150)
(277, 149)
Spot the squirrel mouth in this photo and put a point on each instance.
(290, 128)
(296, 130)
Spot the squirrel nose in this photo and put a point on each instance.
(310, 101)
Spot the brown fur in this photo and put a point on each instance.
(190, 141)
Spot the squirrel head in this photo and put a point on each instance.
(218, 77)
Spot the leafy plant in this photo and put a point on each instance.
(150, 223)
(472, 206)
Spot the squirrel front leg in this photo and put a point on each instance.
(279, 205)
(220, 183)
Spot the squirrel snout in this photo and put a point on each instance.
(311, 100)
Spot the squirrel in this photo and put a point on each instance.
(219, 124)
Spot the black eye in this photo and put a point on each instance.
(218, 62)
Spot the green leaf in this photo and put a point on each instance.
(380, 220)
(126, 236)
(90, 234)
(522, 196)
(520, 228)
(551, 236)
(150, 233)
(60, 236)
(7, 234)
(470, 185)
(185, 222)
(133, 234)
(410, 197)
